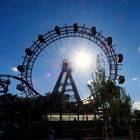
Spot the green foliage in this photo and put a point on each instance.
(108, 97)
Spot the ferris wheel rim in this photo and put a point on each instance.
(65, 32)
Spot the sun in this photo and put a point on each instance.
(83, 59)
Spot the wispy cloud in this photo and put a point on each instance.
(139, 49)
(135, 79)
(14, 69)
(136, 105)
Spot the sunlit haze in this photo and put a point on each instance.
(83, 59)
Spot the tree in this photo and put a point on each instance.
(126, 109)
(107, 97)
(102, 89)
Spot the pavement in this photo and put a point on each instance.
(93, 138)
(97, 138)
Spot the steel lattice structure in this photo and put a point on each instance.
(4, 83)
(58, 33)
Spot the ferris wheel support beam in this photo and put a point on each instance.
(68, 76)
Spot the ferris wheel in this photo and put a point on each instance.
(63, 59)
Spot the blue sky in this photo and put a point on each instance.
(22, 20)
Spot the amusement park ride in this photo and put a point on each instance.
(65, 82)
